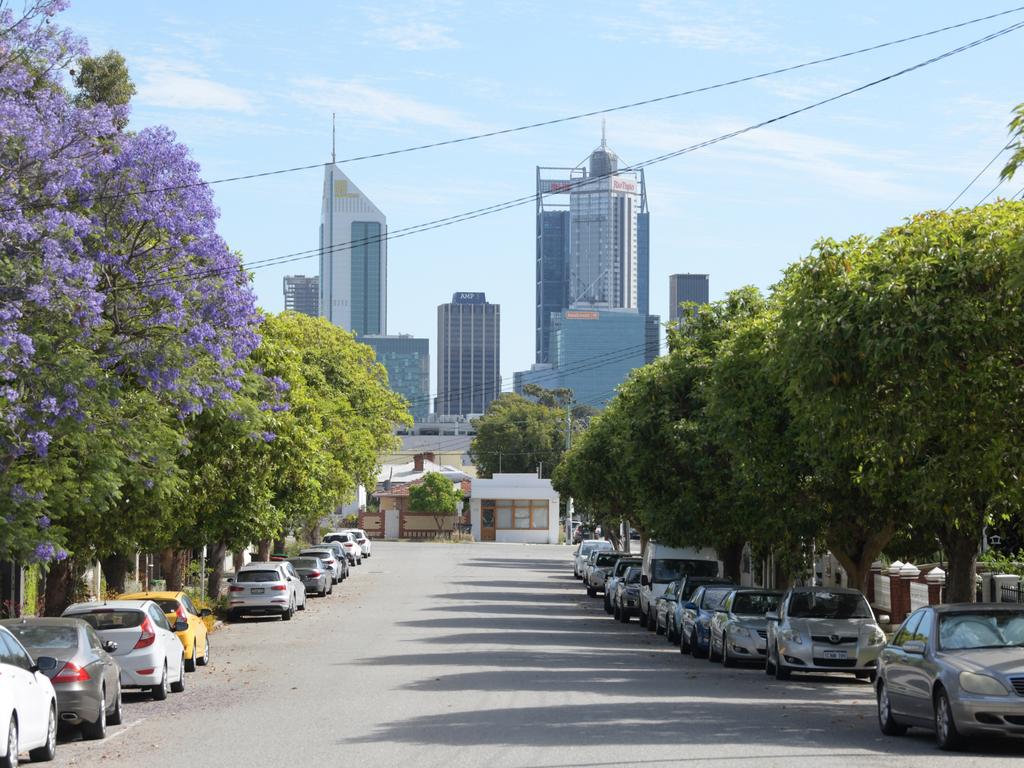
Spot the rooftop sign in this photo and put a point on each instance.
(469, 298)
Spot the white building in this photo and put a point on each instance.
(353, 257)
(514, 508)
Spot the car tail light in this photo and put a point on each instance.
(278, 588)
(237, 589)
(180, 613)
(314, 574)
(148, 635)
(146, 671)
(71, 673)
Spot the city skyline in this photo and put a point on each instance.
(468, 354)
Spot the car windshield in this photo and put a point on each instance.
(624, 565)
(755, 603)
(105, 619)
(670, 570)
(633, 576)
(321, 553)
(46, 637)
(339, 537)
(713, 596)
(828, 605)
(981, 629)
(605, 559)
(258, 576)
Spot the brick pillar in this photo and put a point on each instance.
(900, 599)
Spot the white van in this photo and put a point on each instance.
(662, 565)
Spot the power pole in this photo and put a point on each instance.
(568, 444)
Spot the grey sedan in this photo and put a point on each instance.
(957, 668)
(316, 576)
(85, 677)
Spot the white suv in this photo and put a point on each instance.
(28, 705)
(266, 588)
(348, 540)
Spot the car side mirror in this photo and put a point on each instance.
(884, 618)
(690, 606)
(180, 625)
(644, 581)
(205, 612)
(230, 580)
(772, 616)
(109, 646)
(916, 647)
(44, 664)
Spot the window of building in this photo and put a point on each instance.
(517, 514)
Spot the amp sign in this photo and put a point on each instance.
(469, 298)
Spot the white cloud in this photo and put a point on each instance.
(706, 29)
(176, 85)
(417, 27)
(360, 101)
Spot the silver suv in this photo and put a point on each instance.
(266, 588)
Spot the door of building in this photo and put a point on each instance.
(486, 525)
(391, 524)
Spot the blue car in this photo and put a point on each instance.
(695, 625)
(687, 586)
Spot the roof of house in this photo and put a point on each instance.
(407, 472)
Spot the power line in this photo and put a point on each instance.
(978, 176)
(497, 207)
(989, 193)
(544, 123)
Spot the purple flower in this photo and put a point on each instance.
(43, 522)
(269, 437)
(41, 442)
(45, 551)
(61, 555)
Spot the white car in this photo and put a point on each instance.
(582, 552)
(28, 705)
(149, 653)
(361, 539)
(348, 540)
(266, 588)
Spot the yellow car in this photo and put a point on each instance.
(178, 606)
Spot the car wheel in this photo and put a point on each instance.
(684, 642)
(607, 606)
(713, 655)
(727, 660)
(159, 692)
(10, 760)
(591, 592)
(115, 717)
(781, 672)
(946, 732)
(322, 592)
(616, 613)
(287, 615)
(695, 649)
(886, 721)
(205, 658)
(234, 616)
(190, 664)
(303, 606)
(98, 728)
(48, 751)
(179, 686)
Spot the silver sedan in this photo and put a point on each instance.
(956, 668)
(739, 629)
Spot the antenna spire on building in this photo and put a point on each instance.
(604, 144)
(334, 122)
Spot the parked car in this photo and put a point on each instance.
(604, 561)
(956, 668)
(352, 550)
(330, 556)
(665, 604)
(687, 586)
(695, 618)
(626, 602)
(266, 588)
(588, 564)
(28, 705)
(582, 532)
(85, 677)
(823, 629)
(195, 638)
(316, 576)
(621, 566)
(663, 564)
(582, 552)
(362, 540)
(148, 651)
(739, 627)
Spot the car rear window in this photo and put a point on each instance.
(167, 606)
(109, 619)
(46, 637)
(323, 554)
(258, 576)
(303, 562)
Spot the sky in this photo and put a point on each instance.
(250, 87)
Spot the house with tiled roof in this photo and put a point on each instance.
(392, 519)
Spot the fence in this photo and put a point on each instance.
(883, 598)
(1011, 594)
(918, 595)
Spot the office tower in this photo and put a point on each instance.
(407, 361)
(593, 241)
(302, 294)
(468, 354)
(686, 287)
(353, 257)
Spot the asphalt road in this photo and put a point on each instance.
(491, 655)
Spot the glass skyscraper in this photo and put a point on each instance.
(407, 361)
(468, 355)
(686, 287)
(353, 257)
(302, 294)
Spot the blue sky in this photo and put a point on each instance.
(251, 87)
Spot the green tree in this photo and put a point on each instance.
(517, 435)
(437, 495)
(103, 80)
(1016, 160)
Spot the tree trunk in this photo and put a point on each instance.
(279, 545)
(115, 571)
(238, 560)
(264, 550)
(215, 564)
(732, 558)
(856, 549)
(172, 565)
(60, 587)
(962, 549)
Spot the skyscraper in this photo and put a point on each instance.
(353, 257)
(593, 241)
(686, 287)
(468, 355)
(302, 294)
(407, 361)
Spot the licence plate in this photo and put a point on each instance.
(834, 654)
(256, 590)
